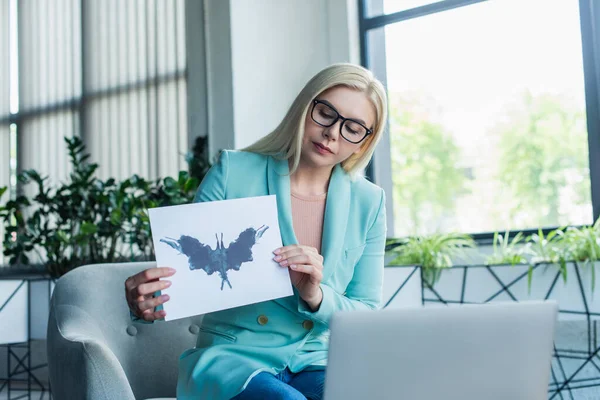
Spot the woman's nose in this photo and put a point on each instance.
(333, 131)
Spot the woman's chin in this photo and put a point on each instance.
(318, 162)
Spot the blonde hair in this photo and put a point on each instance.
(285, 142)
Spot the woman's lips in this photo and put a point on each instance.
(322, 149)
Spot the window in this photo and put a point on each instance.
(488, 121)
(7, 157)
(111, 72)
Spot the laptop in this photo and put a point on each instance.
(495, 351)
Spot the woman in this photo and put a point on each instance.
(333, 228)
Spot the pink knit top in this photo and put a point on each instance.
(308, 213)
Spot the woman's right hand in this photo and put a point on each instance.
(139, 291)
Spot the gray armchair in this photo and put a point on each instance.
(94, 349)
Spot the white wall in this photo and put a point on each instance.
(275, 47)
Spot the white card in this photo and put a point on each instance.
(241, 266)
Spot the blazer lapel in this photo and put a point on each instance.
(279, 184)
(336, 211)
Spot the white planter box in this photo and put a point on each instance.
(25, 307)
(13, 311)
(479, 284)
(41, 293)
(402, 287)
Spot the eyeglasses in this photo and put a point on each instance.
(351, 130)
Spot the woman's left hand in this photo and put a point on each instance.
(306, 271)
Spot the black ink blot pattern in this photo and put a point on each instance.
(221, 259)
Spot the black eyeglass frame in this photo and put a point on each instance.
(339, 116)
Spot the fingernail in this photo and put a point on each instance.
(277, 258)
(277, 251)
(283, 263)
(165, 297)
(172, 270)
(292, 266)
(167, 283)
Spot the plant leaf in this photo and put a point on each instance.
(191, 184)
(62, 236)
(115, 216)
(529, 278)
(592, 265)
(563, 269)
(89, 228)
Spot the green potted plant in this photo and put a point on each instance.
(511, 252)
(581, 245)
(432, 252)
(574, 250)
(85, 219)
(508, 251)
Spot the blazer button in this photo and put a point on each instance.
(308, 324)
(131, 330)
(262, 319)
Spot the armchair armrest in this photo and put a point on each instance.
(81, 365)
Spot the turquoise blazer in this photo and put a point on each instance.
(236, 344)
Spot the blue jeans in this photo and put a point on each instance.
(285, 386)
